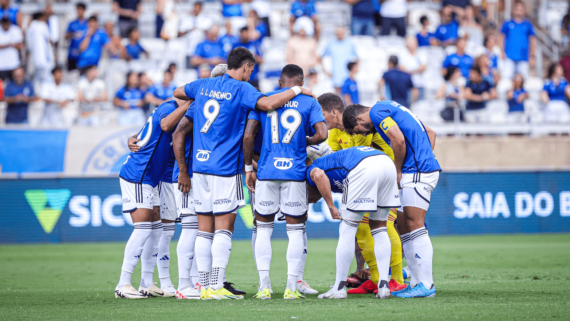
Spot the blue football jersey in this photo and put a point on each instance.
(419, 156)
(338, 164)
(284, 133)
(147, 165)
(167, 177)
(190, 116)
(220, 113)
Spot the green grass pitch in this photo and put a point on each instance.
(482, 277)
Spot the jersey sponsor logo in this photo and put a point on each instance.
(216, 94)
(203, 155)
(283, 163)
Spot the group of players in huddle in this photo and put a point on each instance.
(186, 164)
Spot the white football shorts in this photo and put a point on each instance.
(288, 197)
(370, 187)
(417, 188)
(184, 202)
(136, 195)
(217, 194)
(168, 210)
(156, 195)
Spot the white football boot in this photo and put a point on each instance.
(305, 288)
(383, 293)
(128, 292)
(169, 291)
(152, 291)
(334, 294)
(189, 293)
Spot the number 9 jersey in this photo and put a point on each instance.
(419, 156)
(221, 106)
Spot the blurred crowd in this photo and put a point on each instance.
(483, 59)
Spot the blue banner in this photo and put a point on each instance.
(90, 209)
(24, 151)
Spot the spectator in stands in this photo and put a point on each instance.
(1, 90)
(254, 47)
(469, 26)
(109, 28)
(477, 92)
(134, 48)
(447, 32)
(129, 12)
(145, 84)
(262, 9)
(130, 101)
(516, 97)
(301, 48)
(258, 28)
(554, 94)
(565, 63)
(204, 71)
(350, 88)
(18, 94)
(342, 51)
(304, 8)
(232, 8)
(210, 51)
(414, 65)
(450, 89)
(92, 45)
(362, 17)
(519, 43)
(486, 71)
(393, 13)
(161, 92)
(565, 30)
(228, 39)
(490, 42)
(56, 95)
(39, 46)
(318, 87)
(458, 6)
(11, 42)
(424, 37)
(193, 28)
(75, 32)
(159, 21)
(53, 27)
(398, 84)
(92, 95)
(12, 12)
(459, 59)
(115, 49)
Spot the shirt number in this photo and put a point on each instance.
(291, 126)
(210, 115)
(414, 116)
(145, 133)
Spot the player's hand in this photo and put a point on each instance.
(133, 144)
(250, 178)
(363, 274)
(184, 183)
(334, 213)
(306, 91)
(399, 178)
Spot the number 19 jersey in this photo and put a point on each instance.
(284, 148)
(221, 107)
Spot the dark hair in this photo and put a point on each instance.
(330, 101)
(127, 78)
(349, 116)
(37, 15)
(423, 19)
(476, 69)
(291, 71)
(55, 69)
(93, 18)
(393, 60)
(168, 71)
(551, 69)
(81, 5)
(4, 19)
(485, 41)
(132, 30)
(243, 29)
(199, 3)
(450, 71)
(351, 65)
(89, 68)
(172, 64)
(240, 56)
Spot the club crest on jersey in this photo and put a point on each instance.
(283, 163)
(203, 155)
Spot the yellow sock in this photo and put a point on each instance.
(396, 257)
(366, 244)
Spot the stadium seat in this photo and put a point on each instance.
(497, 110)
(503, 87)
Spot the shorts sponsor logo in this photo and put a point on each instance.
(197, 202)
(283, 163)
(126, 200)
(266, 203)
(363, 201)
(203, 155)
(293, 204)
(222, 201)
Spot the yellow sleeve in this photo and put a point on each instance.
(387, 123)
(387, 149)
(360, 140)
(333, 140)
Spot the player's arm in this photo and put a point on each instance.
(179, 93)
(183, 129)
(324, 186)
(169, 122)
(431, 134)
(392, 130)
(321, 134)
(248, 142)
(269, 103)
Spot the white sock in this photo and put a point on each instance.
(253, 238)
(424, 255)
(304, 256)
(163, 262)
(382, 251)
(344, 252)
(185, 251)
(263, 251)
(409, 253)
(149, 255)
(203, 250)
(194, 274)
(133, 251)
(294, 253)
(221, 250)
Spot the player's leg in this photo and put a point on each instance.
(149, 255)
(382, 250)
(293, 204)
(408, 248)
(397, 277)
(137, 200)
(266, 206)
(168, 214)
(201, 185)
(188, 288)
(366, 244)
(302, 285)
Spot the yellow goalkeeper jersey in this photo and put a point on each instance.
(339, 139)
